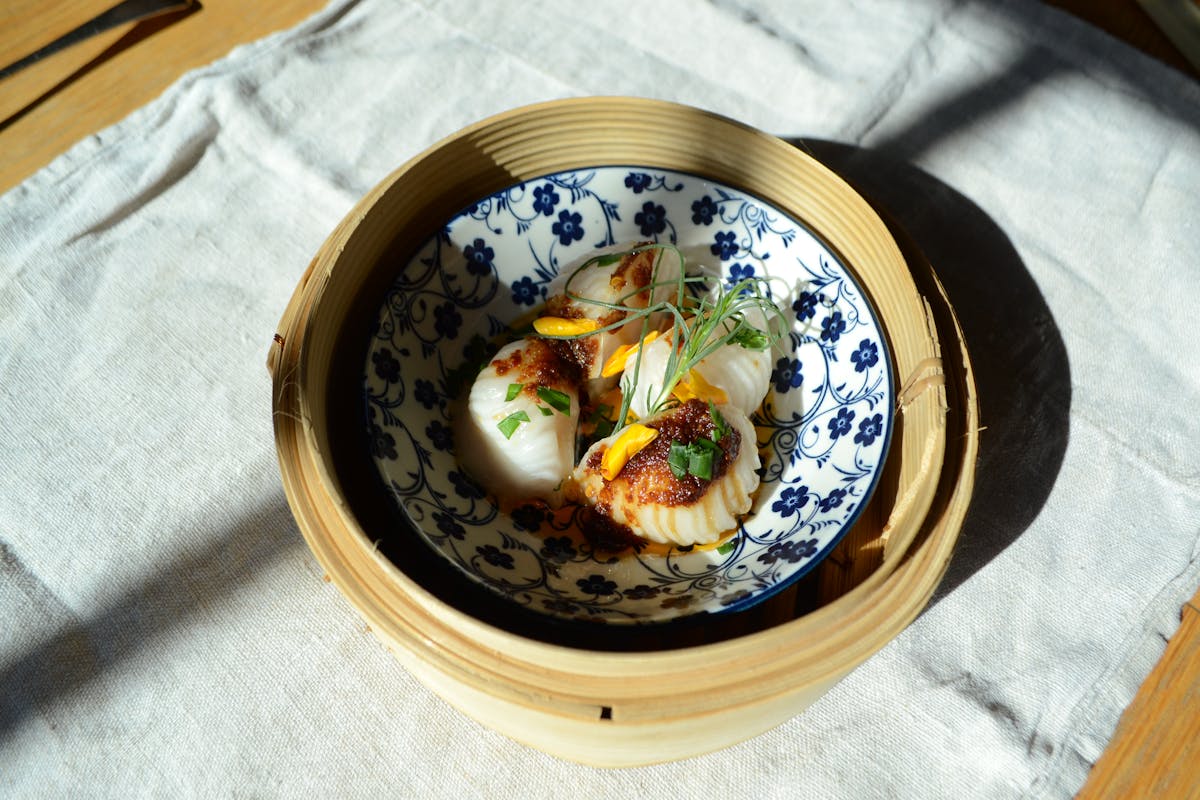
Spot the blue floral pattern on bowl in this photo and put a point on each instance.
(823, 429)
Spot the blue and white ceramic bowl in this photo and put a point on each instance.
(823, 429)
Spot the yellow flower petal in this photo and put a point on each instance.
(696, 387)
(560, 326)
(617, 361)
(611, 398)
(627, 444)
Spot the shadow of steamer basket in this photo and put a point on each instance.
(677, 692)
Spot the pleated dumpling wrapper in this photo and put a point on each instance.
(731, 375)
(518, 433)
(681, 477)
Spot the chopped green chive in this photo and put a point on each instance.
(720, 428)
(695, 459)
(545, 411)
(700, 462)
(509, 424)
(606, 260)
(514, 389)
(677, 459)
(559, 401)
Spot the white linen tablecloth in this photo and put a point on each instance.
(166, 631)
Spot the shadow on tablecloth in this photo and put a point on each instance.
(80, 648)
(1019, 359)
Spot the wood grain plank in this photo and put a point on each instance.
(26, 26)
(1155, 751)
(1129, 22)
(30, 24)
(55, 103)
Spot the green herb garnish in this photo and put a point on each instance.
(559, 401)
(750, 338)
(607, 260)
(514, 389)
(694, 459)
(700, 458)
(720, 427)
(546, 412)
(509, 424)
(677, 459)
(602, 421)
(704, 316)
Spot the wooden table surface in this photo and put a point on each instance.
(46, 108)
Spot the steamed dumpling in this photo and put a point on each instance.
(615, 283)
(740, 375)
(646, 496)
(526, 456)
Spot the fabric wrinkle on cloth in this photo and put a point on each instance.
(168, 631)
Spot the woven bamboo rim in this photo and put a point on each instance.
(519, 684)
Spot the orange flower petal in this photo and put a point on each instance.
(696, 387)
(627, 444)
(560, 326)
(617, 361)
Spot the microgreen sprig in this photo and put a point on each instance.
(704, 316)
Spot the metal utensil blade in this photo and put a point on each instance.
(120, 14)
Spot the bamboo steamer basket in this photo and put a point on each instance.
(628, 696)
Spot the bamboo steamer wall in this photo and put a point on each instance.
(634, 696)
